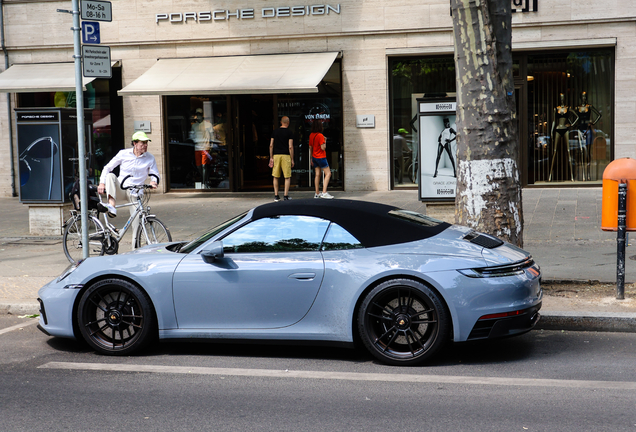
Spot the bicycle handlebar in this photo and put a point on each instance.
(143, 186)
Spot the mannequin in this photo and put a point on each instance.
(588, 117)
(201, 133)
(446, 137)
(560, 132)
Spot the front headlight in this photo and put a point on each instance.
(70, 269)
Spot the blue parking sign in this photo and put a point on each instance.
(90, 32)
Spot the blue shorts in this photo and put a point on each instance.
(320, 163)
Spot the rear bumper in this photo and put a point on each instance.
(504, 327)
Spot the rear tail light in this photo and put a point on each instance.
(502, 315)
(501, 270)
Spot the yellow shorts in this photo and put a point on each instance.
(282, 165)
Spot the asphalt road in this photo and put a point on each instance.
(541, 381)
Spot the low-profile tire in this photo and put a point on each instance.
(403, 322)
(115, 317)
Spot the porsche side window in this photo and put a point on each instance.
(417, 218)
(338, 238)
(277, 234)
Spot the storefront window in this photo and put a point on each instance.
(222, 142)
(570, 116)
(198, 142)
(302, 112)
(413, 78)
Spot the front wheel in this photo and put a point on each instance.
(115, 317)
(403, 322)
(72, 239)
(153, 231)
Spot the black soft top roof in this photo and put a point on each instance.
(369, 222)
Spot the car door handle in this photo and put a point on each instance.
(302, 276)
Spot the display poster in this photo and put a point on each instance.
(438, 149)
(39, 163)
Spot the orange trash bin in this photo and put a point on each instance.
(619, 171)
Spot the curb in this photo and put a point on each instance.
(20, 308)
(588, 321)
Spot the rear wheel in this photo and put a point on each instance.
(403, 322)
(115, 317)
(153, 231)
(72, 239)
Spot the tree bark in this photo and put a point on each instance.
(488, 186)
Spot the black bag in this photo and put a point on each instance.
(94, 202)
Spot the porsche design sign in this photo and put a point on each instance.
(246, 14)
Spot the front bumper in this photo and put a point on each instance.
(509, 326)
(56, 309)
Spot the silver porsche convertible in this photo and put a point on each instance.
(312, 271)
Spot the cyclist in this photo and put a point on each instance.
(135, 162)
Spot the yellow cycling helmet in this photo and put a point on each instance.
(140, 136)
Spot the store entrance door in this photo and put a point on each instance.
(253, 122)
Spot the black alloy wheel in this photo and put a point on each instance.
(403, 322)
(115, 317)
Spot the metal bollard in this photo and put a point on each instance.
(620, 240)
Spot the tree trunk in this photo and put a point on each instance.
(488, 186)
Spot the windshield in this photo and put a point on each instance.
(187, 248)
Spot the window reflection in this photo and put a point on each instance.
(277, 234)
(338, 238)
(197, 140)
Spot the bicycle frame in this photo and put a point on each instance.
(140, 212)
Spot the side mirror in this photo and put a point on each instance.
(213, 253)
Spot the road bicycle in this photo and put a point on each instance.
(104, 237)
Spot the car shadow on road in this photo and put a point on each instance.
(257, 350)
(68, 345)
(466, 353)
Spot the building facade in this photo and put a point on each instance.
(209, 80)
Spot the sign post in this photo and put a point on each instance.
(89, 32)
(80, 126)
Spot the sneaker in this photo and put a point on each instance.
(287, 198)
(112, 211)
(326, 195)
(316, 195)
(276, 198)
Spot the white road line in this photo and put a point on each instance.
(19, 326)
(346, 376)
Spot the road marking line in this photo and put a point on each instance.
(346, 376)
(19, 326)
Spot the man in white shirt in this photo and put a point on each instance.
(135, 162)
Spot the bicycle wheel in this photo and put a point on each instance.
(72, 240)
(153, 231)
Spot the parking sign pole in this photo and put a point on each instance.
(79, 97)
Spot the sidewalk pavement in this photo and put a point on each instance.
(561, 231)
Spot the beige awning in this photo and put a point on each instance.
(277, 73)
(42, 77)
